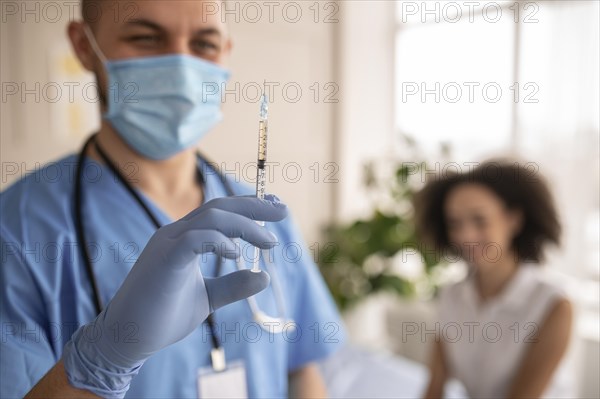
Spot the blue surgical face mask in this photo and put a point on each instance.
(162, 105)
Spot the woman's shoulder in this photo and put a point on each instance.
(533, 296)
(541, 284)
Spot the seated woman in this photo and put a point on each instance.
(504, 330)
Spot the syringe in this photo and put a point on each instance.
(261, 175)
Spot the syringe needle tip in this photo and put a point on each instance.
(264, 106)
(264, 95)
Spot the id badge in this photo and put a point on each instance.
(229, 383)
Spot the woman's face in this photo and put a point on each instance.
(480, 225)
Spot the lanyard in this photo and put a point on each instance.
(217, 353)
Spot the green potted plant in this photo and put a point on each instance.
(361, 257)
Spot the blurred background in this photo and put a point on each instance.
(368, 99)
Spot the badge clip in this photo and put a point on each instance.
(217, 358)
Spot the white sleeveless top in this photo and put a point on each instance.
(484, 343)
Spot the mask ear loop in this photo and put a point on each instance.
(94, 44)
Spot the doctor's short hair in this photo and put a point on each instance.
(519, 186)
(91, 10)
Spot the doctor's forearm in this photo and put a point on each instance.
(307, 382)
(55, 385)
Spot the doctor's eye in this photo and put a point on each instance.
(145, 40)
(205, 46)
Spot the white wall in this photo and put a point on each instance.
(365, 119)
(33, 48)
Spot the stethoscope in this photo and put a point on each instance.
(268, 323)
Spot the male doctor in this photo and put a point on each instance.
(142, 297)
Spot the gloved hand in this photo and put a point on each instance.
(165, 297)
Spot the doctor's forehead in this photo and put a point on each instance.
(170, 15)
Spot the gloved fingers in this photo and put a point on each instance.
(190, 243)
(268, 210)
(197, 241)
(232, 225)
(234, 286)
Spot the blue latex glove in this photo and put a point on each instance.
(165, 297)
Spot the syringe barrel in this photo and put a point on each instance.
(262, 141)
(261, 176)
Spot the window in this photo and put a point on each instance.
(453, 80)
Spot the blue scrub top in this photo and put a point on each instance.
(46, 294)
